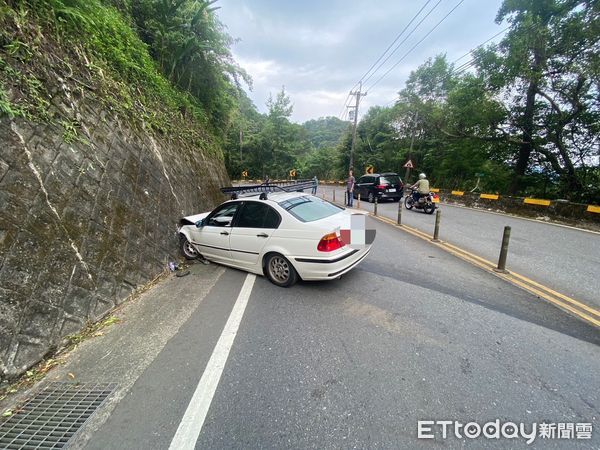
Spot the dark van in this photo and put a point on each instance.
(383, 186)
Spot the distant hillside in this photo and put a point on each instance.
(325, 132)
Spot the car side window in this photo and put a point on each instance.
(223, 216)
(362, 179)
(272, 219)
(258, 215)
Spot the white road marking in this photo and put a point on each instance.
(195, 414)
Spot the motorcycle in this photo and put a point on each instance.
(425, 202)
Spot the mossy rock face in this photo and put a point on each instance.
(90, 193)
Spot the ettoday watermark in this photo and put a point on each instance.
(496, 429)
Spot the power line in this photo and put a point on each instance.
(481, 45)
(414, 46)
(403, 41)
(344, 108)
(358, 94)
(470, 63)
(396, 40)
(464, 66)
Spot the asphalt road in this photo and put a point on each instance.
(411, 334)
(562, 258)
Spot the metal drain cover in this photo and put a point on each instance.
(53, 416)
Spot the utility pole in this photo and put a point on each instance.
(412, 140)
(358, 94)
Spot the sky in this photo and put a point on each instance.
(319, 50)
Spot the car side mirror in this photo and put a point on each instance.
(200, 223)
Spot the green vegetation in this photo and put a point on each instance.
(527, 118)
(144, 58)
(524, 120)
(272, 145)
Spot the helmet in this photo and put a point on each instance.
(422, 176)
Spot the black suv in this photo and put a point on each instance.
(379, 185)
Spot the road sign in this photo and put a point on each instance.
(293, 173)
(245, 173)
(409, 165)
(369, 169)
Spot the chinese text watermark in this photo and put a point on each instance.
(432, 429)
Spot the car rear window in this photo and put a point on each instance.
(390, 179)
(309, 209)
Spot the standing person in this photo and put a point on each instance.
(350, 188)
(315, 184)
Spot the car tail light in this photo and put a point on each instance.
(329, 243)
(382, 186)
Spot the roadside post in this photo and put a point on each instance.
(503, 251)
(334, 196)
(436, 230)
(400, 211)
(345, 198)
(358, 203)
(375, 207)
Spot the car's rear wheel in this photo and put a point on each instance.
(371, 198)
(187, 249)
(280, 271)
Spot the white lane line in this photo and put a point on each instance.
(195, 414)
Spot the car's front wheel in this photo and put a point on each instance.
(280, 271)
(187, 249)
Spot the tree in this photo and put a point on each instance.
(192, 50)
(547, 68)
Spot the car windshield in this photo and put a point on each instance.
(390, 179)
(309, 209)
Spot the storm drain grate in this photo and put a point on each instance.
(53, 416)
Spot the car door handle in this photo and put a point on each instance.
(262, 235)
(225, 233)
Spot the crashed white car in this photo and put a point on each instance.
(285, 236)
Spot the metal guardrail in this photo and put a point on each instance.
(265, 188)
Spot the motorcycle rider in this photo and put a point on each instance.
(420, 188)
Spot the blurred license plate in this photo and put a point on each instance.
(391, 190)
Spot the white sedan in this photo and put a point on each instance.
(286, 236)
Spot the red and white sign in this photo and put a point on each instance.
(409, 165)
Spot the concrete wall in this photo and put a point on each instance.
(82, 223)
